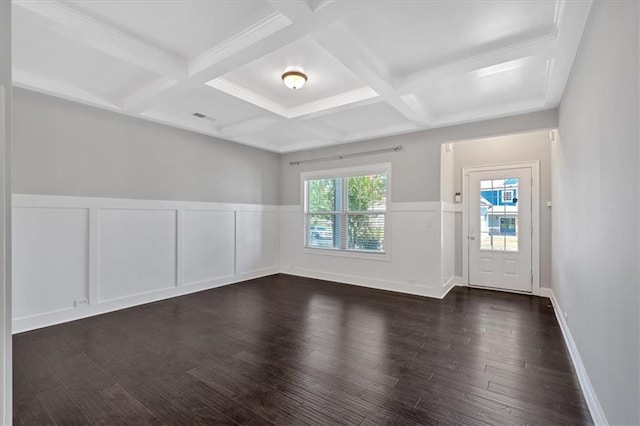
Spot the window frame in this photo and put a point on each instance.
(340, 173)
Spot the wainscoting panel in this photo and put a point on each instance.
(414, 264)
(258, 240)
(51, 254)
(209, 245)
(137, 252)
(449, 212)
(76, 257)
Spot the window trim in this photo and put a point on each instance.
(341, 173)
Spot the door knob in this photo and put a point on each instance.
(472, 237)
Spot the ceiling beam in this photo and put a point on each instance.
(571, 19)
(251, 35)
(342, 44)
(231, 59)
(32, 81)
(416, 82)
(83, 29)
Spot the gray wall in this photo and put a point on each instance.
(534, 146)
(65, 148)
(416, 169)
(595, 207)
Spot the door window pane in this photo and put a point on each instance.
(499, 214)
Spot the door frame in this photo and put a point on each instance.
(535, 218)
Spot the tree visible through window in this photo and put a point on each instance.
(347, 212)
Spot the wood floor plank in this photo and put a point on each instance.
(62, 407)
(287, 350)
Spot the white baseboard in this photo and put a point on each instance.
(448, 286)
(546, 292)
(434, 291)
(597, 414)
(21, 325)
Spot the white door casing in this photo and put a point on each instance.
(501, 240)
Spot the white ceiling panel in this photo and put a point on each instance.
(281, 135)
(326, 75)
(504, 84)
(378, 115)
(217, 106)
(374, 68)
(44, 52)
(434, 32)
(185, 28)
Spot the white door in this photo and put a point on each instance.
(500, 229)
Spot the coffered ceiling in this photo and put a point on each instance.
(375, 68)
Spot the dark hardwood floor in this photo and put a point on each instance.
(289, 350)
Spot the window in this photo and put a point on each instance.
(346, 210)
(507, 196)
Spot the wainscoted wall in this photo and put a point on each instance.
(78, 256)
(449, 243)
(415, 265)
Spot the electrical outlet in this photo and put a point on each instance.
(80, 302)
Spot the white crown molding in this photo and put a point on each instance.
(571, 18)
(247, 95)
(266, 27)
(32, 81)
(188, 122)
(341, 108)
(136, 99)
(331, 102)
(106, 39)
(247, 126)
(341, 99)
(297, 146)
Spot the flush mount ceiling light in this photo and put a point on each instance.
(294, 79)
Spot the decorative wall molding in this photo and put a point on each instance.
(81, 256)
(415, 259)
(597, 413)
(57, 317)
(68, 201)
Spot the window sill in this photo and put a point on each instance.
(356, 254)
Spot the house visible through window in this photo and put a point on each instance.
(346, 211)
(507, 196)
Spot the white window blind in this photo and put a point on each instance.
(347, 211)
